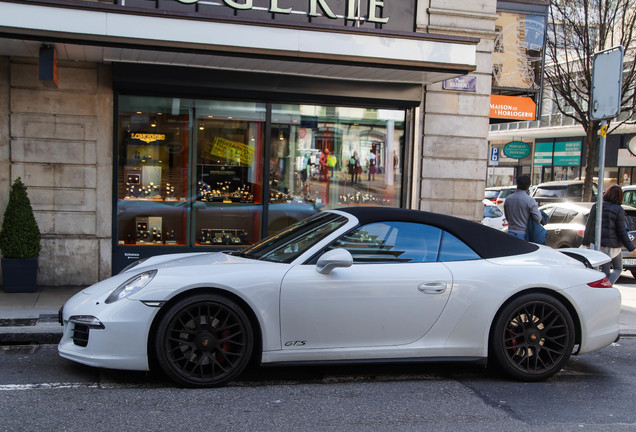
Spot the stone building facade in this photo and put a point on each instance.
(454, 146)
(61, 141)
(57, 142)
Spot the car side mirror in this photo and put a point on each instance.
(333, 259)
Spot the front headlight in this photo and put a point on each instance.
(131, 286)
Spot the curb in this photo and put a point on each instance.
(24, 331)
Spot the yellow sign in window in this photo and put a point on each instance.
(234, 151)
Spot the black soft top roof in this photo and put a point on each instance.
(485, 241)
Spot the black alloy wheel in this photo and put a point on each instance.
(533, 337)
(204, 341)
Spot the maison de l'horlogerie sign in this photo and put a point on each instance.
(378, 15)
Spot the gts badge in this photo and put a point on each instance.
(295, 343)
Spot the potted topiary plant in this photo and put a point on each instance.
(19, 242)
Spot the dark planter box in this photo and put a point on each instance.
(19, 275)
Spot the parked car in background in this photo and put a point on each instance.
(504, 193)
(492, 193)
(567, 223)
(494, 217)
(567, 226)
(561, 191)
(629, 195)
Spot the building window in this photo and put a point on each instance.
(197, 173)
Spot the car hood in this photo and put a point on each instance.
(188, 263)
(189, 260)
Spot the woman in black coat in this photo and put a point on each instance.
(613, 231)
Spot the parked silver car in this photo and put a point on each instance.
(560, 191)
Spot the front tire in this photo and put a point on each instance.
(533, 337)
(205, 340)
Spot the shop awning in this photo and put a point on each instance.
(100, 34)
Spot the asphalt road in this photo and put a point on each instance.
(595, 392)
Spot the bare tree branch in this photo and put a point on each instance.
(577, 30)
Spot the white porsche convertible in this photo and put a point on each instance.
(350, 285)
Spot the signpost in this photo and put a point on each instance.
(494, 159)
(607, 81)
(494, 155)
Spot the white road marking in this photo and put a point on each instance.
(46, 386)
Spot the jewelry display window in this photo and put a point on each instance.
(152, 188)
(206, 173)
(229, 140)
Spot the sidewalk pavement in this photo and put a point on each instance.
(31, 318)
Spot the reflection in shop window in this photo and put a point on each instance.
(336, 156)
(204, 173)
(229, 142)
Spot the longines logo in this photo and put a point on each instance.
(148, 137)
(352, 12)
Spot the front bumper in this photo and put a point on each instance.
(106, 335)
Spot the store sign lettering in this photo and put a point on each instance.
(232, 150)
(148, 138)
(567, 153)
(512, 107)
(374, 6)
(517, 150)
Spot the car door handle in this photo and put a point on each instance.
(432, 287)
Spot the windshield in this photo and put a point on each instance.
(551, 192)
(505, 192)
(288, 244)
(491, 211)
(491, 194)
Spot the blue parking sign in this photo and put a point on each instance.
(494, 154)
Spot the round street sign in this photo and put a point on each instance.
(517, 150)
(631, 145)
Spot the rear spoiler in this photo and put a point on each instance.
(589, 257)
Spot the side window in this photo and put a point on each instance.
(392, 242)
(559, 216)
(629, 198)
(548, 211)
(630, 218)
(571, 215)
(453, 249)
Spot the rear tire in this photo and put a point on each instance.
(533, 337)
(205, 340)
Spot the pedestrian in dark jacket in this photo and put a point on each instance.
(613, 231)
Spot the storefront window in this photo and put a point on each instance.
(331, 157)
(154, 135)
(205, 173)
(228, 173)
